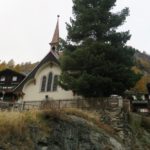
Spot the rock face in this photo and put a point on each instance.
(75, 130)
(77, 134)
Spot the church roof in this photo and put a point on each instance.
(50, 57)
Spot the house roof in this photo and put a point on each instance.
(10, 71)
(50, 57)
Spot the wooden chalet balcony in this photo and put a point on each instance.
(7, 88)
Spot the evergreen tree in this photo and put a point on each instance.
(96, 60)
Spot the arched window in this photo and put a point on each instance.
(55, 83)
(43, 85)
(49, 83)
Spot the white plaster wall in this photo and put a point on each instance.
(32, 89)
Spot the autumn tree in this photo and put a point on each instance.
(3, 65)
(11, 64)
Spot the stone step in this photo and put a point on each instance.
(114, 120)
(118, 129)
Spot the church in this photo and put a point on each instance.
(42, 81)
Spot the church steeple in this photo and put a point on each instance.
(55, 40)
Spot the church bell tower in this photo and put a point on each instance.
(55, 40)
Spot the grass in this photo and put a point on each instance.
(15, 122)
(14, 128)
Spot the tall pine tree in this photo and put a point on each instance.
(96, 60)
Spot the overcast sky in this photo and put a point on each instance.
(27, 26)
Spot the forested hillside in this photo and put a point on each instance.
(143, 67)
(143, 61)
(24, 68)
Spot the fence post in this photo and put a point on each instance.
(77, 103)
(82, 104)
(23, 106)
(59, 104)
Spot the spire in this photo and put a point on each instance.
(55, 40)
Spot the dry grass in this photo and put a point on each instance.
(16, 124)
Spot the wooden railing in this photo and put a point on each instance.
(92, 103)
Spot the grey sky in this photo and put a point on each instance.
(26, 26)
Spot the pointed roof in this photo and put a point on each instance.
(55, 39)
(50, 57)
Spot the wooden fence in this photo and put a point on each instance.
(96, 103)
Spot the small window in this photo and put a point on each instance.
(14, 78)
(53, 48)
(55, 83)
(49, 83)
(2, 78)
(43, 85)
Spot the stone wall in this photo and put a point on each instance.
(137, 121)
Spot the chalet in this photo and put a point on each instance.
(9, 80)
(140, 104)
(42, 82)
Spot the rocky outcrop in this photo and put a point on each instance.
(75, 133)
(73, 130)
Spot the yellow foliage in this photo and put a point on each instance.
(145, 63)
(141, 84)
(136, 70)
